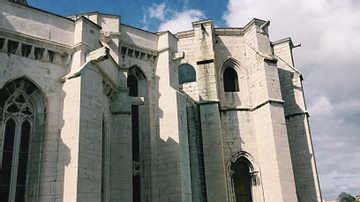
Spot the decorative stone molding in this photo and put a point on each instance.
(136, 168)
(138, 53)
(178, 56)
(137, 100)
(95, 56)
(107, 36)
(107, 89)
(255, 178)
(271, 101)
(120, 102)
(98, 55)
(34, 52)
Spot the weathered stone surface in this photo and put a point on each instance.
(112, 123)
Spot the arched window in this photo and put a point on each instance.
(230, 79)
(23, 111)
(132, 83)
(136, 82)
(186, 74)
(241, 181)
(18, 115)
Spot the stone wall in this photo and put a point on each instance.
(296, 115)
(190, 134)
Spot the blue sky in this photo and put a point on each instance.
(329, 59)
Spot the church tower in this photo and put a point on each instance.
(246, 96)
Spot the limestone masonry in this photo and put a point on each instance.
(96, 110)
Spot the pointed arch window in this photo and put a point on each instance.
(242, 182)
(243, 179)
(186, 73)
(136, 83)
(133, 91)
(18, 116)
(230, 79)
(20, 149)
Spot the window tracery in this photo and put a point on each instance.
(136, 83)
(18, 115)
(22, 115)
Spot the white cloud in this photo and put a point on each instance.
(182, 21)
(329, 59)
(144, 19)
(173, 20)
(335, 185)
(157, 11)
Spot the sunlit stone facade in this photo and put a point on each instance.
(95, 110)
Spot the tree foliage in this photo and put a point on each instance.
(345, 197)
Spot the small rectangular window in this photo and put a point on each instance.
(137, 53)
(130, 52)
(12, 47)
(51, 55)
(2, 42)
(149, 57)
(39, 53)
(25, 50)
(143, 56)
(123, 50)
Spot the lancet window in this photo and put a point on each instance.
(136, 83)
(22, 115)
(242, 182)
(18, 119)
(230, 78)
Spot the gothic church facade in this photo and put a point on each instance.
(95, 110)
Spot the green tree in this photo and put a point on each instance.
(345, 197)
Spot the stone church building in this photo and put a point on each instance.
(95, 110)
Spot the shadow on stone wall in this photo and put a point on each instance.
(234, 142)
(196, 153)
(64, 155)
(299, 138)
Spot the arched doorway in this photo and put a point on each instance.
(242, 182)
(244, 178)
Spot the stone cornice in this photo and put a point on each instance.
(93, 24)
(254, 21)
(207, 21)
(253, 108)
(140, 48)
(185, 34)
(286, 40)
(229, 31)
(287, 116)
(16, 36)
